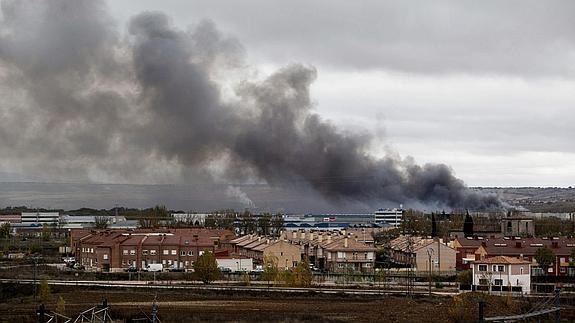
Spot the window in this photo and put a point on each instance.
(483, 281)
(341, 254)
(125, 252)
(182, 253)
(498, 282)
(562, 270)
(521, 270)
(166, 252)
(105, 256)
(132, 252)
(482, 267)
(190, 253)
(201, 252)
(144, 252)
(494, 268)
(501, 268)
(153, 252)
(174, 252)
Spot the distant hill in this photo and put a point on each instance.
(536, 199)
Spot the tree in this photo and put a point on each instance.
(545, 257)
(206, 268)
(101, 222)
(46, 232)
(44, 290)
(264, 224)
(433, 225)
(572, 258)
(271, 270)
(61, 305)
(277, 224)
(247, 223)
(468, 225)
(303, 276)
(151, 218)
(465, 277)
(5, 230)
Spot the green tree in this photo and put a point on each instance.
(101, 222)
(46, 232)
(271, 270)
(277, 224)
(264, 224)
(303, 276)
(468, 225)
(206, 268)
(545, 257)
(5, 230)
(465, 277)
(151, 218)
(248, 223)
(433, 225)
(44, 290)
(61, 305)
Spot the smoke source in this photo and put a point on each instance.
(89, 103)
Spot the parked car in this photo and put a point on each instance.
(132, 269)
(79, 266)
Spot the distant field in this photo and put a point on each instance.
(209, 197)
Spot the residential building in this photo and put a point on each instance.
(345, 254)
(417, 252)
(520, 247)
(502, 274)
(117, 250)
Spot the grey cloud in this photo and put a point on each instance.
(88, 110)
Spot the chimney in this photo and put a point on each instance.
(320, 237)
(343, 231)
(328, 238)
(310, 236)
(345, 242)
(294, 234)
(302, 235)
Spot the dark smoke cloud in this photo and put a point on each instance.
(90, 105)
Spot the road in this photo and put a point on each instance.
(218, 286)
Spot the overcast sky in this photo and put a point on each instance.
(484, 86)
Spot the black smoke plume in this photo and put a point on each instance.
(81, 101)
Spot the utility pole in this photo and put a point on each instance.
(429, 254)
(557, 305)
(155, 310)
(35, 267)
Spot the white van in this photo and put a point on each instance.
(154, 267)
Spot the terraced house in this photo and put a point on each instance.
(117, 250)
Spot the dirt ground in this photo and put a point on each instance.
(202, 306)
